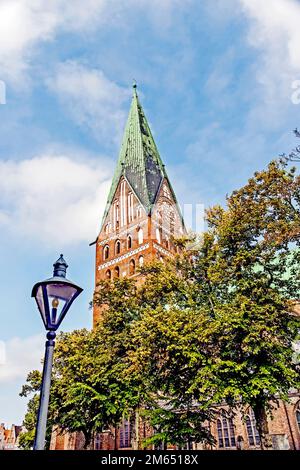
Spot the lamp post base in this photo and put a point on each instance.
(40, 436)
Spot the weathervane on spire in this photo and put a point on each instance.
(134, 85)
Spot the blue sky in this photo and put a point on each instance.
(219, 82)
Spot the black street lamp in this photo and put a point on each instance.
(54, 297)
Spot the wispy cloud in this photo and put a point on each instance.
(92, 100)
(25, 25)
(21, 356)
(274, 31)
(53, 199)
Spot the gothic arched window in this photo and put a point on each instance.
(125, 434)
(226, 435)
(132, 267)
(116, 214)
(117, 271)
(140, 236)
(158, 234)
(106, 252)
(98, 442)
(129, 242)
(130, 207)
(252, 432)
(141, 261)
(108, 274)
(123, 203)
(118, 247)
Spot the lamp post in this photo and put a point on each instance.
(54, 297)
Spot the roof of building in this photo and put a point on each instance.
(139, 160)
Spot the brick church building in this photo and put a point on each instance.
(139, 222)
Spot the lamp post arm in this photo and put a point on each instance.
(40, 435)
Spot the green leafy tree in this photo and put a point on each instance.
(213, 324)
(220, 324)
(31, 389)
(90, 386)
(249, 265)
(166, 353)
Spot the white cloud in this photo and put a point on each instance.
(274, 31)
(26, 24)
(53, 199)
(21, 356)
(92, 99)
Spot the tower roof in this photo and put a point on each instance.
(139, 160)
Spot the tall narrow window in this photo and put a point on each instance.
(141, 261)
(117, 271)
(129, 242)
(130, 207)
(125, 434)
(132, 267)
(298, 415)
(106, 252)
(140, 236)
(98, 442)
(108, 274)
(139, 212)
(158, 237)
(118, 247)
(116, 215)
(226, 434)
(253, 435)
(123, 203)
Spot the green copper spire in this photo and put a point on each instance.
(139, 160)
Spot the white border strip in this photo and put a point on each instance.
(125, 256)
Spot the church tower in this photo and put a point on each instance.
(142, 216)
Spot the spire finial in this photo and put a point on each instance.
(134, 86)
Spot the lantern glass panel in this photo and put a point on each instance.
(40, 302)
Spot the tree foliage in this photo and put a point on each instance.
(209, 326)
(31, 389)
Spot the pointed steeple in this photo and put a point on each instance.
(139, 160)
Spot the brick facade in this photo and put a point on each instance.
(125, 244)
(9, 438)
(284, 429)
